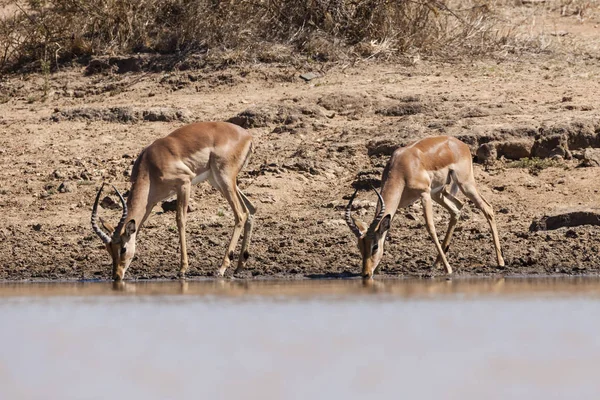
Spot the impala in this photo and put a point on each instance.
(422, 171)
(213, 151)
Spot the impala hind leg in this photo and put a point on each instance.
(229, 191)
(183, 198)
(428, 213)
(453, 206)
(250, 211)
(470, 190)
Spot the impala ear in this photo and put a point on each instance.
(107, 227)
(384, 225)
(130, 228)
(361, 225)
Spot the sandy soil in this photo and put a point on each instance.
(313, 141)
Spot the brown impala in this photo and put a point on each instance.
(422, 171)
(213, 151)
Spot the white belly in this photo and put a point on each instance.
(201, 177)
(439, 179)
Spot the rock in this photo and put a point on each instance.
(582, 134)
(109, 203)
(382, 147)
(85, 176)
(262, 116)
(171, 205)
(113, 114)
(551, 146)
(167, 114)
(402, 109)
(122, 114)
(309, 76)
(334, 223)
(514, 150)
(126, 64)
(487, 153)
(569, 219)
(571, 234)
(474, 112)
(366, 180)
(412, 216)
(591, 158)
(67, 187)
(344, 103)
(58, 174)
(96, 66)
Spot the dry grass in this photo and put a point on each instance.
(49, 32)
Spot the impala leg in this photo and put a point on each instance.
(230, 194)
(428, 213)
(183, 197)
(470, 190)
(453, 206)
(250, 211)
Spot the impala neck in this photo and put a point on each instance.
(138, 201)
(391, 191)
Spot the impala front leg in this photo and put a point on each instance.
(453, 206)
(229, 190)
(428, 212)
(183, 197)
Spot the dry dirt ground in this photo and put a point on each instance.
(313, 141)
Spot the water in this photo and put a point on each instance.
(459, 339)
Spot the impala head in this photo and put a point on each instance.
(371, 238)
(120, 241)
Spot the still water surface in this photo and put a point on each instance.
(413, 339)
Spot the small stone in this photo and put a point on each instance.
(591, 158)
(58, 174)
(487, 153)
(109, 203)
(37, 227)
(412, 216)
(170, 206)
(309, 76)
(66, 187)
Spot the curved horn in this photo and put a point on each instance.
(349, 219)
(105, 238)
(124, 216)
(380, 214)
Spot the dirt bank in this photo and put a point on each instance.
(313, 142)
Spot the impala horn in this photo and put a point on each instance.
(350, 220)
(379, 215)
(117, 231)
(103, 236)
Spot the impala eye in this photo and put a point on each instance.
(375, 248)
(123, 250)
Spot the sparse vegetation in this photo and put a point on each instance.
(33, 32)
(535, 165)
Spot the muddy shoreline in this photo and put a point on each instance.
(314, 142)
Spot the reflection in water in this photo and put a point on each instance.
(335, 288)
(350, 339)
